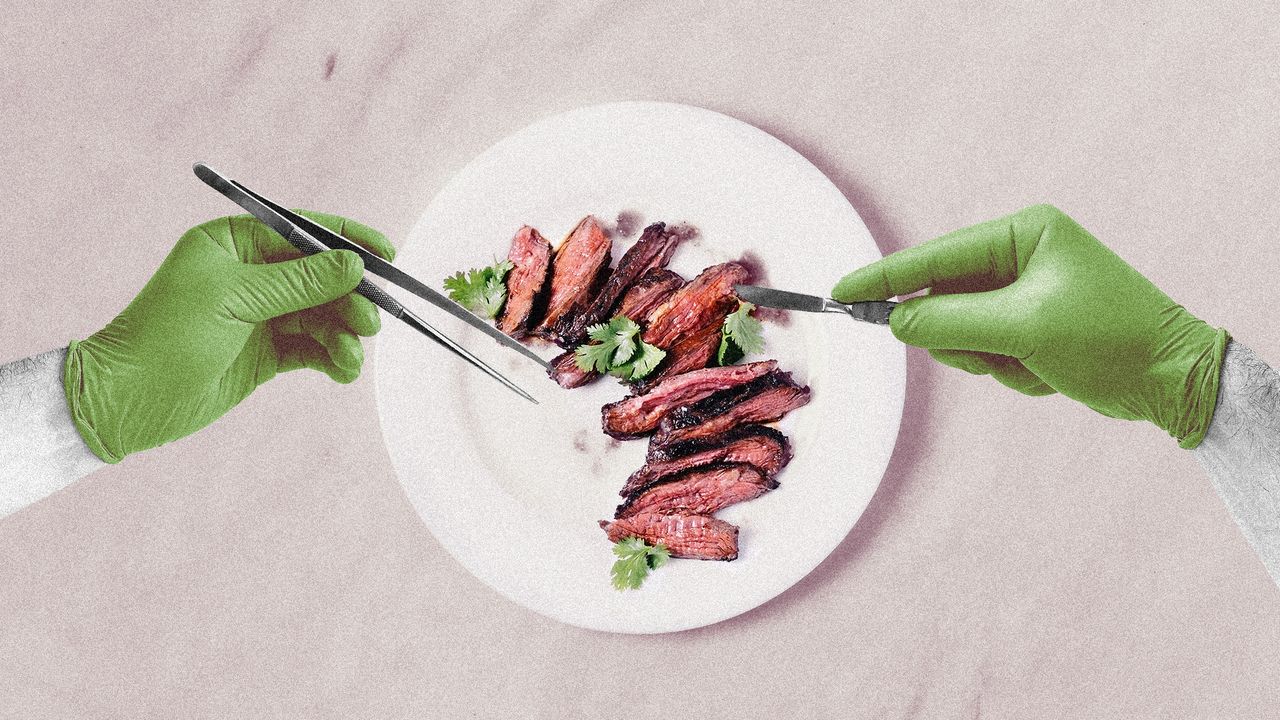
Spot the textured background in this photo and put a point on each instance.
(1022, 558)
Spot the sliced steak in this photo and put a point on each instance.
(768, 406)
(762, 447)
(694, 352)
(652, 250)
(700, 491)
(531, 255)
(696, 305)
(651, 290)
(565, 371)
(764, 399)
(699, 537)
(761, 437)
(577, 269)
(638, 415)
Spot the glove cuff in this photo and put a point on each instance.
(73, 385)
(1201, 392)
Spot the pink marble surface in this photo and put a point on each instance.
(1023, 557)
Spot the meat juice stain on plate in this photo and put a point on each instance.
(755, 268)
(775, 316)
(627, 223)
(689, 234)
(582, 444)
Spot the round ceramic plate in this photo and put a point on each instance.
(514, 490)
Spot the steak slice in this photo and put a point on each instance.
(638, 415)
(654, 287)
(531, 255)
(768, 406)
(700, 491)
(652, 250)
(699, 537)
(565, 371)
(704, 301)
(764, 399)
(651, 290)
(694, 352)
(578, 267)
(761, 447)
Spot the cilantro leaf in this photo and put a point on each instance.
(501, 268)
(604, 332)
(729, 352)
(635, 559)
(741, 335)
(624, 343)
(658, 556)
(744, 330)
(462, 289)
(642, 364)
(618, 350)
(495, 293)
(593, 358)
(480, 291)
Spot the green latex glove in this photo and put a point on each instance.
(230, 307)
(1038, 303)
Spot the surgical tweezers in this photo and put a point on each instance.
(310, 237)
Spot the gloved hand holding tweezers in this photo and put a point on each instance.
(230, 307)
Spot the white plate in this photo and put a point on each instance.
(514, 490)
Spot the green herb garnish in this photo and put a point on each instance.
(635, 559)
(618, 350)
(740, 335)
(480, 291)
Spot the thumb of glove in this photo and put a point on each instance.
(274, 289)
(982, 322)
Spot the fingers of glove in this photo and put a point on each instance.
(350, 312)
(1016, 382)
(253, 242)
(233, 235)
(301, 351)
(256, 243)
(974, 363)
(1008, 371)
(273, 289)
(356, 313)
(980, 251)
(346, 353)
(245, 238)
(991, 254)
(986, 322)
(363, 235)
(322, 325)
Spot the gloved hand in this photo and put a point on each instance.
(1038, 303)
(230, 307)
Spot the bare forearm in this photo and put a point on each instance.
(41, 451)
(1241, 451)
